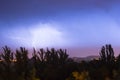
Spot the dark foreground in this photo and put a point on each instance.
(51, 64)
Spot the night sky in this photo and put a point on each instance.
(79, 25)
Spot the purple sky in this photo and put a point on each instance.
(81, 26)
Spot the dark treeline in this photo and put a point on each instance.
(52, 64)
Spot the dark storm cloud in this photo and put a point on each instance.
(27, 11)
(11, 8)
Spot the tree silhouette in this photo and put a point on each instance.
(7, 57)
(22, 64)
(107, 54)
(108, 59)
